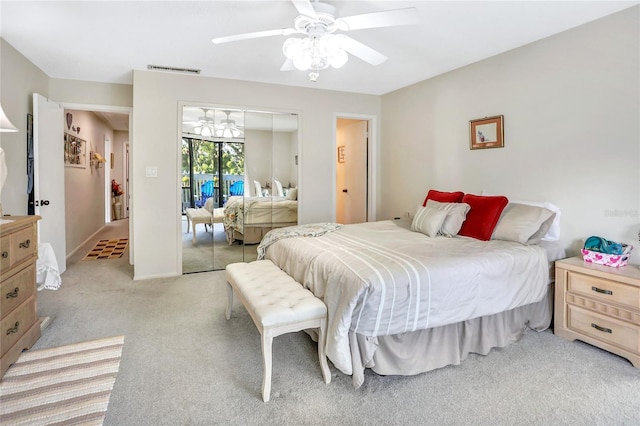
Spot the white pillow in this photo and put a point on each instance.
(456, 215)
(553, 234)
(428, 221)
(523, 223)
(258, 188)
(292, 194)
(279, 191)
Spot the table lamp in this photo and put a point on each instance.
(5, 126)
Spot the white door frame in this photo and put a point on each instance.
(110, 108)
(372, 162)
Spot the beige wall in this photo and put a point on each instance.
(571, 111)
(91, 93)
(155, 202)
(19, 79)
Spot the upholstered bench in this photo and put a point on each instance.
(278, 305)
(203, 215)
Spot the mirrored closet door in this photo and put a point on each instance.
(239, 180)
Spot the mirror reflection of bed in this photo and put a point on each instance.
(265, 151)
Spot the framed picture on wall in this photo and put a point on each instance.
(75, 151)
(487, 132)
(341, 154)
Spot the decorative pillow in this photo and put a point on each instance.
(553, 234)
(292, 194)
(278, 185)
(483, 215)
(428, 221)
(523, 223)
(258, 188)
(443, 197)
(456, 214)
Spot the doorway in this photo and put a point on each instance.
(352, 170)
(64, 189)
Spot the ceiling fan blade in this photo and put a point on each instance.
(287, 66)
(360, 50)
(304, 8)
(258, 34)
(389, 18)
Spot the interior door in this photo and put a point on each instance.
(49, 175)
(351, 170)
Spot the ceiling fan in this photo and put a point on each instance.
(322, 47)
(206, 126)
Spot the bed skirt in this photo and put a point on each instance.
(424, 350)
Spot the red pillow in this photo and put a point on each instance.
(443, 197)
(483, 215)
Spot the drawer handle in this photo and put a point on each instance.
(13, 329)
(25, 244)
(5, 254)
(13, 293)
(603, 329)
(599, 290)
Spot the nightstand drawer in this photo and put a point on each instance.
(621, 334)
(604, 290)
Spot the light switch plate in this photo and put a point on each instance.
(151, 172)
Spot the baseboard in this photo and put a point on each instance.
(85, 241)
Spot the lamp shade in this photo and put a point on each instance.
(5, 124)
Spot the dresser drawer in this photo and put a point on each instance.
(18, 322)
(5, 252)
(16, 289)
(23, 245)
(621, 334)
(604, 290)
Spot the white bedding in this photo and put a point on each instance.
(380, 278)
(242, 211)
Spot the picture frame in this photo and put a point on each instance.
(487, 132)
(75, 151)
(341, 154)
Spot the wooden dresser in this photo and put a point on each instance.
(20, 326)
(599, 305)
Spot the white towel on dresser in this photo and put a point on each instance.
(47, 272)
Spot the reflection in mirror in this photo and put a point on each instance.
(271, 140)
(213, 160)
(239, 180)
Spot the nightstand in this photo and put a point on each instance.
(599, 305)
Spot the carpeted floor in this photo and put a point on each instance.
(62, 385)
(108, 249)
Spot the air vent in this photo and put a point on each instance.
(173, 69)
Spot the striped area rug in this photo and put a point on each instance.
(65, 385)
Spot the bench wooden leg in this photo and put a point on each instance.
(322, 356)
(267, 340)
(227, 314)
(193, 222)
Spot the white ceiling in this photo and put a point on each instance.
(105, 40)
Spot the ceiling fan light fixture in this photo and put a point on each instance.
(315, 53)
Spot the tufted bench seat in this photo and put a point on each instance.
(207, 215)
(278, 305)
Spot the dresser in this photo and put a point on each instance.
(20, 326)
(599, 305)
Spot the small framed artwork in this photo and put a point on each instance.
(75, 151)
(487, 132)
(341, 154)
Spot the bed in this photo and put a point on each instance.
(402, 303)
(248, 219)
